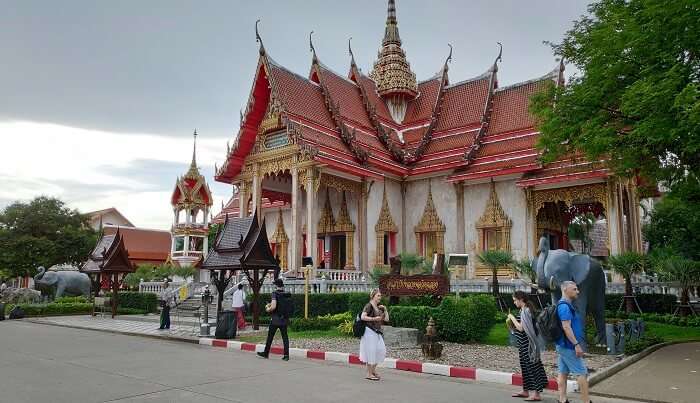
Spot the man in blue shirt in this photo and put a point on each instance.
(569, 348)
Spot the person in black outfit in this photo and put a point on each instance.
(278, 320)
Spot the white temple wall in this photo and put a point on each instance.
(445, 201)
(374, 207)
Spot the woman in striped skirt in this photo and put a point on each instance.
(529, 347)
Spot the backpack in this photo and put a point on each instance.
(285, 305)
(358, 327)
(548, 323)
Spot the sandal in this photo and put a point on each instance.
(521, 394)
(532, 399)
(372, 378)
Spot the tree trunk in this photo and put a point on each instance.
(629, 302)
(496, 291)
(685, 300)
(256, 298)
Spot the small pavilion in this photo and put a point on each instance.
(241, 244)
(109, 261)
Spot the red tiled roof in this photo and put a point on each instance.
(421, 108)
(232, 207)
(144, 244)
(373, 98)
(301, 96)
(487, 169)
(510, 107)
(463, 104)
(348, 95)
(565, 170)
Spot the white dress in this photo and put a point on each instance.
(372, 348)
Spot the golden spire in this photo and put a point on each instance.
(193, 171)
(396, 83)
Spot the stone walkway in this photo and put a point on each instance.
(185, 331)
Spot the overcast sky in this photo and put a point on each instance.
(98, 100)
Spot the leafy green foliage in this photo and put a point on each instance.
(494, 260)
(644, 342)
(145, 301)
(627, 264)
(148, 272)
(412, 263)
(524, 268)
(636, 102)
(649, 303)
(674, 223)
(71, 300)
(415, 317)
(42, 232)
(465, 319)
(66, 308)
(345, 328)
(324, 322)
(213, 228)
(580, 229)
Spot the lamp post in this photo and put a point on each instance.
(307, 273)
(207, 299)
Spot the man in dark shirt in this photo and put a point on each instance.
(278, 319)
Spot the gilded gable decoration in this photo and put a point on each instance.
(385, 223)
(326, 224)
(430, 231)
(493, 228)
(344, 223)
(281, 240)
(341, 184)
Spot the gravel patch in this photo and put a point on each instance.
(497, 358)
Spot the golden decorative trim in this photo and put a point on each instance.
(494, 218)
(341, 184)
(595, 192)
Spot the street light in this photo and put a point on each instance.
(207, 299)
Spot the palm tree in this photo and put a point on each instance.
(683, 270)
(628, 264)
(525, 271)
(494, 260)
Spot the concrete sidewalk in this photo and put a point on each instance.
(136, 325)
(670, 374)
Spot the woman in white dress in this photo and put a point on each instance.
(372, 348)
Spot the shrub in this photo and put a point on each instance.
(465, 319)
(145, 301)
(357, 301)
(650, 303)
(415, 317)
(317, 323)
(320, 304)
(52, 309)
(346, 327)
(644, 342)
(71, 300)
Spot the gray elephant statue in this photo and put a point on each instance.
(556, 266)
(59, 283)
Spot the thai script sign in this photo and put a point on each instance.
(397, 285)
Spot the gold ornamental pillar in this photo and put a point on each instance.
(295, 247)
(243, 200)
(349, 261)
(311, 207)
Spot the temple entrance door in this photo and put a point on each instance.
(338, 257)
(386, 249)
(429, 244)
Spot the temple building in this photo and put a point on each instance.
(191, 201)
(351, 169)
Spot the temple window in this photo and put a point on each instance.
(196, 244)
(385, 230)
(179, 243)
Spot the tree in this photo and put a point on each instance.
(636, 102)
(211, 235)
(580, 229)
(42, 232)
(627, 264)
(672, 267)
(494, 260)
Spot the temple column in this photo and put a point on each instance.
(635, 224)
(530, 225)
(243, 200)
(380, 249)
(613, 219)
(362, 224)
(459, 190)
(311, 207)
(257, 193)
(295, 237)
(404, 187)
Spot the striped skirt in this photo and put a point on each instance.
(534, 377)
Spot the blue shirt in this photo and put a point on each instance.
(566, 311)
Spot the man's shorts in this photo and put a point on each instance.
(569, 363)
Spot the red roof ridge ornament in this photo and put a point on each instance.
(395, 81)
(258, 39)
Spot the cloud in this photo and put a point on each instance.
(92, 169)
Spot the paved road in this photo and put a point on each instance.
(671, 374)
(42, 363)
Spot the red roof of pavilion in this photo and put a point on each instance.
(144, 245)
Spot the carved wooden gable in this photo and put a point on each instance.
(280, 234)
(430, 221)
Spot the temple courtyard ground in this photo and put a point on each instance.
(50, 363)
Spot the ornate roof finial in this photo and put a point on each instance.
(449, 57)
(311, 48)
(194, 151)
(259, 39)
(498, 58)
(391, 32)
(352, 56)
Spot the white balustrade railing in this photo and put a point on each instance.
(156, 287)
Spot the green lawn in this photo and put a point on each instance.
(308, 334)
(673, 333)
(498, 335)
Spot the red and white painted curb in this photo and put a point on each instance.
(477, 374)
